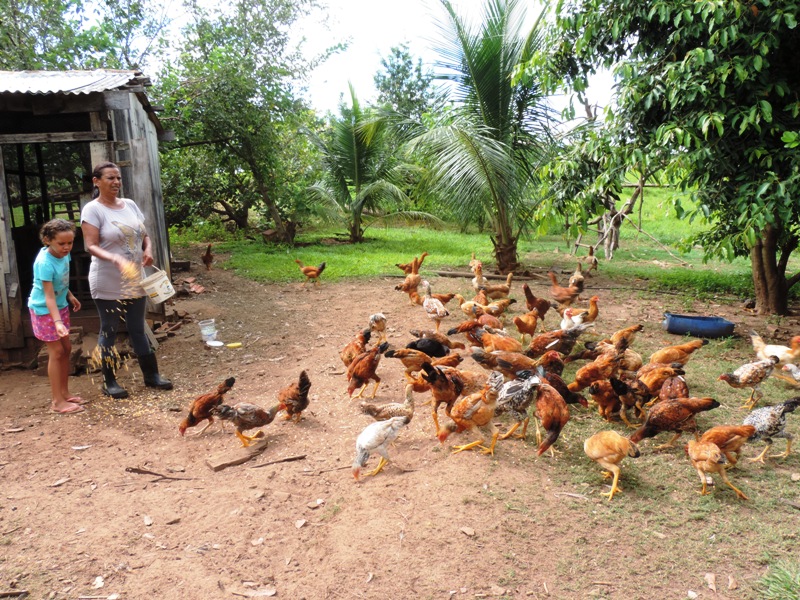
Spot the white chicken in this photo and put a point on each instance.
(794, 374)
(434, 307)
(571, 318)
(785, 354)
(376, 437)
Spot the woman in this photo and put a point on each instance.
(115, 235)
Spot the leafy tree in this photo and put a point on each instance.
(404, 85)
(362, 175)
(232, 89)
(70, 34)
(710, 88)
(484, 153)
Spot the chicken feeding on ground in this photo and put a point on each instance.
(438, 337)
(563, 295)
(515, 397)
(607, 400)
(497, 339)
(414, 359)
(553, 412)
(494, 291)
(497, 307)
(508, 363)
(382, 412)
(377, 322)
(558, 340)
(207, 258)
(311, 273)
(376, 437)
(608, 449)
(770, 422)
(475, 413)
(446, 386)
(751, 375)
(680, 353)
(294, 398)
(246, 416)
(355, 347)
(729, 439)
(785, 354)
(202, 407)
(433, 307)
(632, 394)
(604, 366)
(676, 415)
(674, 387)
(363, 369)
(706, 457)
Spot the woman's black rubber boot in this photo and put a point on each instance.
(149, 366)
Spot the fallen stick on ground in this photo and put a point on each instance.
(140, 471)
(280, 460)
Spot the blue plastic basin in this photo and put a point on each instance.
(706, 327)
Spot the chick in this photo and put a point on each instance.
(608, 449)
(376, 437)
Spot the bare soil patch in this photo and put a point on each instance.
(75, 523)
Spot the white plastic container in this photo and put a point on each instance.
(208, 330)
(158, 286)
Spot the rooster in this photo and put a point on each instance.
(207, 258)
(311, 273)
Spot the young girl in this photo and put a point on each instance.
(49, 305)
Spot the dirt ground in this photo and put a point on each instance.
(75, 523)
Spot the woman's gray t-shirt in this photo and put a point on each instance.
(122, 232)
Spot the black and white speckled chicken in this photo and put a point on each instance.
(770, 422)
(246, 416)
(751, 375)
(515, 397)
(383, 412)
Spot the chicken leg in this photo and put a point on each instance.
(381, 464)
(734, 488)
(669, 444)
(470, 446)
(613, 470)
(751, 402)
(788, 449)
(514, 427)
(760, 457)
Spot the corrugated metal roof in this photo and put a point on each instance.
(65, 82)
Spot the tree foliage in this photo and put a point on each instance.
(232, 89)
(710, 89)
(483, 153)
(404, 85)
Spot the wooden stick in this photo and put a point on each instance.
(13, 593)
(140, 471)
(280, 460)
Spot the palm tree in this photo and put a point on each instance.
(361, 173)
(483, 155)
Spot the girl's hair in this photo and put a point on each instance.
(53, 227)
(97, 173)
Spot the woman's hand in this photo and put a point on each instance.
(147, 258)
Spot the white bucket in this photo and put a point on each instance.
(158, 286)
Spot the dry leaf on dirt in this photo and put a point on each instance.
(711, 580)
(732, 585)
(467, 531)
(60, 482)
(299, 523)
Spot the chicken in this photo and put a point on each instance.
(608, 449)
(729, 439)
(562, 295)
(558, 340)
(526, 323)
(497, 339)
(433, 307)
(706, 457)
(355, 347)
(628, 334)
(446, 387)
(751, 375)
(631, 394)
(498, 307)
(591, 260)
(514, 398)
(677, 415)
(202, 407)
(493, 291)
(593, 311)
(674, 387)
(377, 323)
(785, 355)
(376, 437)
(631, 360)
(603, 367)
(363, 369)
(680, 353)
(558, 384)
(607, 400)
(245, 416)
(207, 258)
(508, 363)
(770, 422)
(409, 286)
(552, 411)
(794, 374)
(576, 280)
(571, 319)
(532, 302)
(439, 337)
(430, 346)
(382, 412)
(412, 359)
(468, 328)
(419, 300)
(470, 308)
(294, 398)
(413, 266)
(653, 376)
(475, 413)
(311, 273)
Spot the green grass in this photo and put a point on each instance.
(782, 582)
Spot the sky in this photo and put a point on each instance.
(372, 28)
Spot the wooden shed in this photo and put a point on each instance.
(54, 125)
